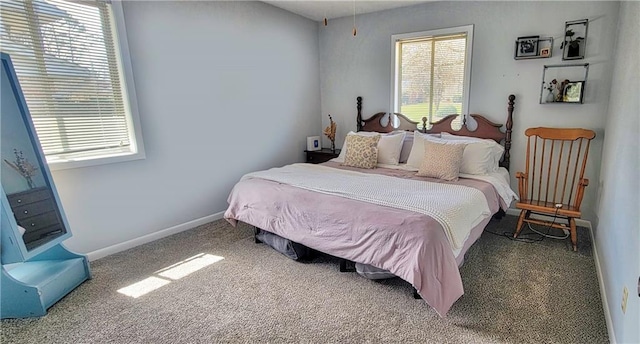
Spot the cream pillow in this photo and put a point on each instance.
(389, 146)
(441, 160)
(362, 151)
(417, 149)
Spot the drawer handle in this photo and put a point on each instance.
(19, 201)
(26, 212)
(33, 225)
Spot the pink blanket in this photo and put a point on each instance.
(412, 246)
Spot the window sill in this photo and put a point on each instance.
(58, 163)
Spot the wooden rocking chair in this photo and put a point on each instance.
(553, 182)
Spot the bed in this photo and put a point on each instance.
(396, 218)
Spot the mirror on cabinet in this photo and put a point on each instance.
(24, 175)
(37, 270)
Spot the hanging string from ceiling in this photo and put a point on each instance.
(355, 32)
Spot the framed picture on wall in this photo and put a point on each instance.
(545, 52)
(575, 39)
(573, 92)
(527, 46)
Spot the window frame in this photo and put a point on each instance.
(136, 151)
(396, 92)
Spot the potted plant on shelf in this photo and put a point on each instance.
(572, 44)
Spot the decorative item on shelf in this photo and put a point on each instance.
(330, 131)
(24, 167)
(553, 89)
(560, 93)
(563, 83)
(533, 47)
(575, 39)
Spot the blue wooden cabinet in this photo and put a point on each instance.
(37, 270)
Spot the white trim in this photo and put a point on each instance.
(103, 252)
(603, 292)
(468, 29)
(579, 222)
(136, 151)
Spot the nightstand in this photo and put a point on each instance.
(320, 156)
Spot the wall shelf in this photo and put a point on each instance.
(564, 84)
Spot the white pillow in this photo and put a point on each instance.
(407, 143)
(389, 147)
(481, 156)
(417, 149)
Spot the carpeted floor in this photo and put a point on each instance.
(515, 292)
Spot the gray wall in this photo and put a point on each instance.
(223, 88)
(618, 232)
(361, 66)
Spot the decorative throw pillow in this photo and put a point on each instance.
(389, 146)
(441, 160)
(362, 151)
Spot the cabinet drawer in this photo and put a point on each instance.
(33, 209)
(27, 197)
(40, 221)
(31, 237)
(318, 157)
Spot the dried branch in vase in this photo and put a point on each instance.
(23, 166)
(330, 131)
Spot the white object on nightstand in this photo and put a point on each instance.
(313, 143)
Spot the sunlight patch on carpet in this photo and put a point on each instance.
(169, 274)
(188, 266)
(145, 286)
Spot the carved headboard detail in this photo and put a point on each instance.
(485, 129)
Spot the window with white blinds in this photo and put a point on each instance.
(67, 60)
(431, 73)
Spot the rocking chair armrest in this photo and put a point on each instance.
(584, 182)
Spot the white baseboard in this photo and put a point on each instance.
(603, 292)
(579, 222)
(103, 252)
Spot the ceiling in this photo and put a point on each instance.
(318, 10)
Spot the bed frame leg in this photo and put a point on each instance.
(499, 215)
(256, 230)
(415, 294)
(346, 266)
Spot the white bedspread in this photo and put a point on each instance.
(457, 208)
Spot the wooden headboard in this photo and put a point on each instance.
(485, 130)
